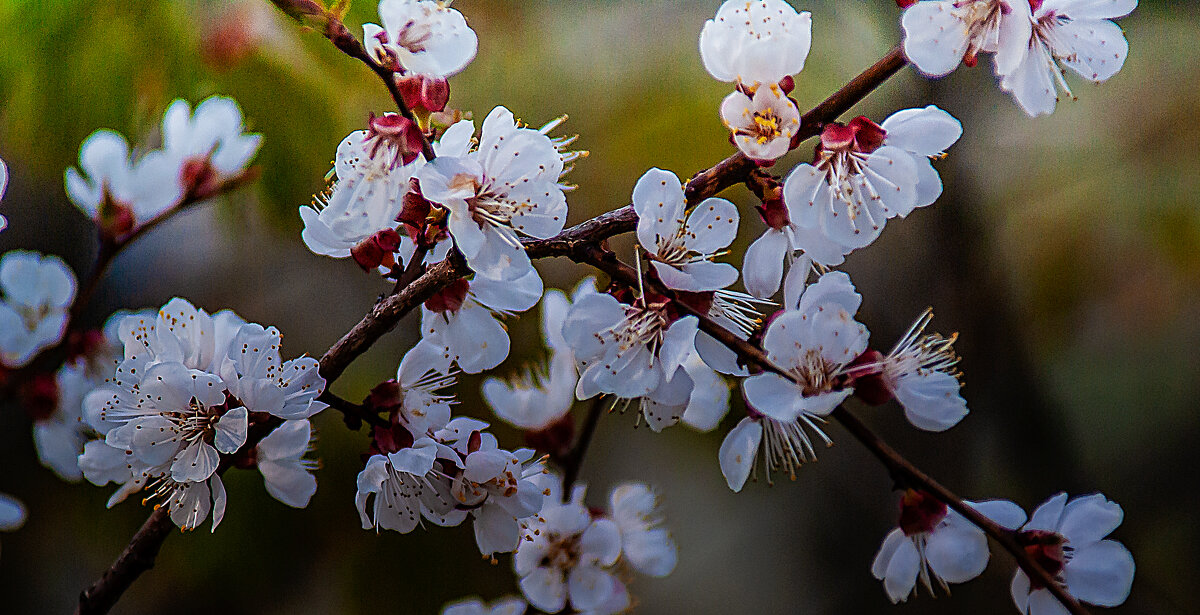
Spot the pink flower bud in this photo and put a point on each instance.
(424, 92)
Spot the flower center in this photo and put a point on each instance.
(764, 128)
(982, 18)
(563, 551)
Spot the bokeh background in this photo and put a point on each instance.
(1066, 251)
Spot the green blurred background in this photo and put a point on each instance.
(1066, 251)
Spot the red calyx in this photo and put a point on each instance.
(920, 512)
(377, 250)
(774, 213)
(787, 84)
(1048, 549)
(198, 177)
(1034, 5)
(385, 440)
(905, 3)
(114, 218)
(450, 298)
(39, 396)
(423, 93)
(870, 385)
(970, 59)
(474, 441)
(860, 135)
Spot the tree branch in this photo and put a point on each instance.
(899, 466)
(574, 459)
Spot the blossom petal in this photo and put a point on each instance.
(545, 589)
(1100, 573)
(737, 452)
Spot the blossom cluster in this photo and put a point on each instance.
(189, 387)
(164, 401)
(201, 151)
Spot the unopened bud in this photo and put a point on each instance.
(376, 250)
(424, 93)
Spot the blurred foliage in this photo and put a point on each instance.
(1066, 251)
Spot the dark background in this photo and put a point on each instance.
(1066, 251)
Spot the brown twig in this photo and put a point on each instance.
(573, 460)
(900, 467)
(356, 412)
(341, 37)
(138, 557)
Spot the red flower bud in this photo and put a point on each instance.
(424, 93)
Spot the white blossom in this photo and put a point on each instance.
(644, 544)
(752, 42)
(500, 489)
(709, 400)
(189, 503)
(421, 36)
(60, 437)
(37, 295)
(681, 250)
(183, 395)
(941, 34)
(1068, 539)
(118, 192)
(3, 189)
(369, 192)
(864, 174)
(12, 513)
(1075, 34)
(813, 342)
(762, 125)
(542, 395)
(507, 187)
(936, 544)
(475, 606)
(564, 556)
(207, 146)
(460, 321)
(920, 373)
(421, 396)
(633, 351)
(400, 486)
(280, 458)
(780, 244)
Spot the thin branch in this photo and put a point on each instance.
(138, 557)
(353, 411)
(574, 459)
(896, 463)
(852, 93)
(340, 36)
